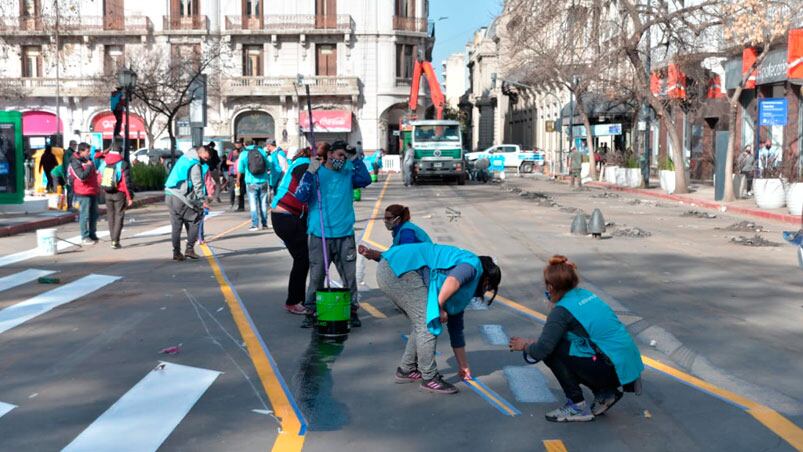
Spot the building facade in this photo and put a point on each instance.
(356, 55)
(454, 79)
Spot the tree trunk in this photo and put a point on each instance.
(681, 184)
(592, 164)
(729, 196)
(172, 140)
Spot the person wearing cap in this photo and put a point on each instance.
(278, 165)
(327, 189)
(433, 284)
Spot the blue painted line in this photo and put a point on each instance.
(502, 405)
(494, 334)
(288, 393)
(528, 384)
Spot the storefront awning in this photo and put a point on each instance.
(40, 123)
(327, 121)
(104, 123)
(598, 106)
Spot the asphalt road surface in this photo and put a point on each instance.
(132, 351)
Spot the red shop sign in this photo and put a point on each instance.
(327, 121)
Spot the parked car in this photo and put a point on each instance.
(524, 161)
(150, 156)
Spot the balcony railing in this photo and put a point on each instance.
(290, 23)
(46, 87)
(404, 82)
(285, 86)
(186, 23)
(76, 24)
(411, 24)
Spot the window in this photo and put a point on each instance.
(29, 8)
(251, 8)
(325, 13)
(252, 61)
(113, 59)
(405, 61)
(404, 8)
(184, 8)
(32, 61)
(185, 54)
(326, 60)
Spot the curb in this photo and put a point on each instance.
(20, 228)
(763, 214)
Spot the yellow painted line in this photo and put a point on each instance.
(372, 310)
(490, 396)
(554, 445)
(370, 226)
(291, 437)
(774, 421)
(229, 231)
(374, 244)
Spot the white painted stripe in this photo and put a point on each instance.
(22, 312)
(164, 230)
(5, 408)
(143, 418)
(34, 252)
(23, 277)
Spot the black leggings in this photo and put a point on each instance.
(596, 373)
(293, 232)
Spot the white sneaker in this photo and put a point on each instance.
(253, 228)
(571, 412)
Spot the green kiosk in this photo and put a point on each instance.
(12, 171)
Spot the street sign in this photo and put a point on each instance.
(549, 125)
(773, 111)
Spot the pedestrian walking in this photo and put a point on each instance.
(236, 182)
(278, 165)
(185, 195)
(253, 164)
(65, 163)
(47, 162)
(214, 169)
(582, 343)
(407, 165)
(289, 218)
(747, 168)
(332, 176)
(432, 284)
(115, 181)
(84, 180)
(576, 165)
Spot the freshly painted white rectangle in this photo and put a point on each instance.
(34, 252)
(164, 230)
(5, 408)
(23, 277)
(143, 418)
(22, 312)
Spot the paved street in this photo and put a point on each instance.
(201, 355)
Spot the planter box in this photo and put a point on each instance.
(585, 171)
(769, 193)
(610, 174)
(621, 177)
(794, 198)
(634, 178)
(667, 179)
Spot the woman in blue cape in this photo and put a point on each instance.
(583, 342)
(431, 283)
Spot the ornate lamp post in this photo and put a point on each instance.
(127, 78)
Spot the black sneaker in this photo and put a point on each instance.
(407, 377)
(438, 386)
(604, 401)
(355, 320)
(309, 321)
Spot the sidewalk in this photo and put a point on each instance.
(702, 196)
(12, 224)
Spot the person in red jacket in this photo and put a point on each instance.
(114, 175)
(84, 180)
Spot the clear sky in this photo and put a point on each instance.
(464, 17)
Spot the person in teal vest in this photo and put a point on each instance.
(583, 342)
(278, 165)
(432, 284)
(185, 196)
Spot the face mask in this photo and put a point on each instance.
(547, 295)
(390, 224)
(337, 165)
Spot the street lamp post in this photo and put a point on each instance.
(300, 80)
(128, 80)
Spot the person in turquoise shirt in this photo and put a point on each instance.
(185, 196)
(583, 342)
(278, 165)
(431, 283)
(256, 185)
(333, 174)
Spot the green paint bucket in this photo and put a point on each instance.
(357, 194)
(374, 177)
(334, 312)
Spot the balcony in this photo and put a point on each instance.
(410, 24)
(404, 82)
(186, 25)
(46, 87)
(76, 25)
(285, 86)
(289, 24)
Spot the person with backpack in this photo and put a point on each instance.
(278, 165)
(185, 196)
(253, 163)
(84, 180)
(115, 179)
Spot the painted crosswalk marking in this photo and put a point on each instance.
(5, 408)
(494, 334)
(164, 230)
(34, 252)
(494, 399)
(23, 277)
(143, 418)
(20, 313)
(528, 384)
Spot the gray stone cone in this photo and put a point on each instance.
(580, 224)
(597, 223)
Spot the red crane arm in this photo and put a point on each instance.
(438, 100)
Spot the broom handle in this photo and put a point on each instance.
(323, 233)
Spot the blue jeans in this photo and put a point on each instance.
(88, 216)
(259, 209)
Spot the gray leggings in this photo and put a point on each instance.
(410, 295)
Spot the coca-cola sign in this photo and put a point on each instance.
(327, 121)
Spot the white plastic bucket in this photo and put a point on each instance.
(46, 241)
